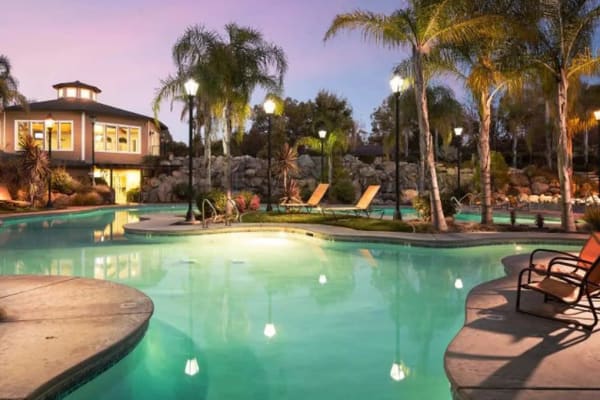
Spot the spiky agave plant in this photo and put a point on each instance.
(35, 165)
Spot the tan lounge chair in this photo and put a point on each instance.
(572, 280)
(313, 201)
(363, 206)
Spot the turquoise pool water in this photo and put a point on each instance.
(265, 315)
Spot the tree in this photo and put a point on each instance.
(228, 69)
(9, 93)
(562, 48)
(423, 26)
(35, 165)
(335, 142)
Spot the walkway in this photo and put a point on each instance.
(58, 332)
(501, 354)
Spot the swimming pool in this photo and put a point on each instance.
(265, 315)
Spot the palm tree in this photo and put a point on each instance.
(336, 141)
(563, 49)
(242, 62)
(423, 26)
(9, 93)
(34, 165)
(228, 70)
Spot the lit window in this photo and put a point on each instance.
(111, 138)
(65, 139)
(85, 93)
(62, 134)
(134, 136)
(71, 92)
(123, 142)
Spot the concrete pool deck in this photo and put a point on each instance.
(57, 332)
(499, 354)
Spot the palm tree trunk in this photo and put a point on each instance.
(437, 214)
(548, 135)
(586, 146)
(514, 147)
(227, 150)
(208, 151)
(485, 159)
(406, 139)
(565, 157)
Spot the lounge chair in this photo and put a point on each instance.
(363, 206)
(313, 201)
(570, 279)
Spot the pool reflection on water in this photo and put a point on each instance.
(266, 315)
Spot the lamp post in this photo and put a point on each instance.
(93, 176)
(49, 124)
(269, 107)
(597, 116)
(396, 85)
(322, 136)
(191, 87)
(458, 133)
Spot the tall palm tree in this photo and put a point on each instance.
(227, 70)
(243, 61)
(423, 26)
(9, 93)
(563, 49)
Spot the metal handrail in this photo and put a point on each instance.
(215, 212)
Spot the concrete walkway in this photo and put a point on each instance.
(502, 354)
(59, 332)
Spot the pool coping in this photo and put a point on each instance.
(59, 332)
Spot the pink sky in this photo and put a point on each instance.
(124, 48)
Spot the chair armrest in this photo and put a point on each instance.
(560, 253)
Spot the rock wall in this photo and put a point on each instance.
(249, 173)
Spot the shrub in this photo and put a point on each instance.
(423, 206)
(254, 203)
(216, 197)
(180, 190)
(243, 201)
(86, 199)
(343, 191)
(592, 216)
(134, 195)
(62, 182)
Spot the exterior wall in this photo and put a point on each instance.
(82, 136)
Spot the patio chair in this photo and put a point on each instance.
(574, 289)
(313, 201)
(363, 206)
(587, 254)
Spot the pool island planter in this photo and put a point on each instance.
(60, 332)
(503, 354)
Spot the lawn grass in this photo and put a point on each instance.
(347, 221)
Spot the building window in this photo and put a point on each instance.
(117, 138)
(71, 92)
(85, 93)
(62, 134)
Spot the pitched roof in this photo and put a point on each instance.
(88, 106)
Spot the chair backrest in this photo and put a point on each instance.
(591, 249)
(593, 275)
(367, 198)
(318, 194)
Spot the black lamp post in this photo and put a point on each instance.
(458, 133)
(93, 176)
(191, 87)
(49, 124)
(396, 85)
(269, 107)
(322, 136)
(597, 116)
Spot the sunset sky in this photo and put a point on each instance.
(124, 48)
